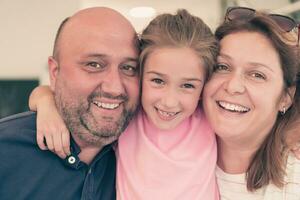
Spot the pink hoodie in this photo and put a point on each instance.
(167, 165)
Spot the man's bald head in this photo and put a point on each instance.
(94, 75)
(106, 18)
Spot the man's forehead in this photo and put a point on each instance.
(106, 18)
(97, 38)
(87, 44)
(98, 25)
(89, 36)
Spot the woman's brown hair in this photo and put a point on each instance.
(269, 161)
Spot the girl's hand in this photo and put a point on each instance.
(52, 132)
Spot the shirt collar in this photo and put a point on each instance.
(73, 160)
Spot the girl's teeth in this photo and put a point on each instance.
(167, 114)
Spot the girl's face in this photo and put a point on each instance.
(245, 93)
(173, 79)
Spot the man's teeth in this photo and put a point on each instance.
(166, 114)
(233, 107)
(106, 105)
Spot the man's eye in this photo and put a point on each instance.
(129, 70)
(95, 65)
(157, 81)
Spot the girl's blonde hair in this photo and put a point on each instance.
(179, 31)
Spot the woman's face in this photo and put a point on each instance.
(245, 93)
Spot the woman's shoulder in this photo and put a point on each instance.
(293, 167)
(292, 178)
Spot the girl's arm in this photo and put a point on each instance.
(51, 128)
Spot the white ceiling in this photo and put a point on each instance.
(196, 7)
(28, 27)
(209, 10)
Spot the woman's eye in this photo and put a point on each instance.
(157, 81)
(258, 75)
(221, 67)
(188, 85)
(129, 70)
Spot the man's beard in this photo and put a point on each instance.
(84, 125)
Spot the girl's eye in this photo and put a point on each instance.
(221, 67)
(188, 85)
(157, 81)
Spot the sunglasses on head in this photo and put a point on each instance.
(242, 13)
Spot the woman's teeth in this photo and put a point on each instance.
(233, 107)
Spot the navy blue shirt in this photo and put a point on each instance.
(26, 172)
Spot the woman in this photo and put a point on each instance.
(251, 104)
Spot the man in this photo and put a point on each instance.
(93, 74)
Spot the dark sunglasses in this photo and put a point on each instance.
(242, 13)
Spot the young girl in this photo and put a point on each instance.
(168, 150)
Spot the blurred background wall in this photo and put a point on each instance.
(28, 28)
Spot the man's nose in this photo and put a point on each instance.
(112, 82)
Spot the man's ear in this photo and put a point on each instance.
(287, 99)
(53, 71)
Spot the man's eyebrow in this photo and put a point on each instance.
(132, 59)
(98, 55)
(95, 55)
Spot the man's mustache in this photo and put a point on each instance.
(122, 97)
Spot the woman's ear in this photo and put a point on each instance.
(287, 99)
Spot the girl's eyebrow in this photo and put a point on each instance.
(192, 79)
(225, 56)
(154, 72)
(163, 75)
